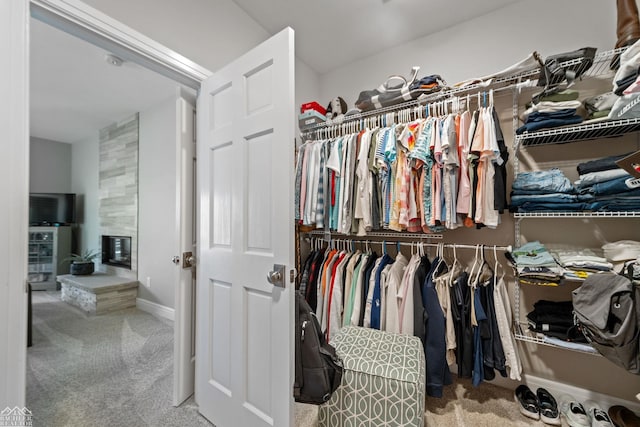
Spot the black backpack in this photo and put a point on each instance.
(606, 308)
(318, 367)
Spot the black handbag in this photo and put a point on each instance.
(566, 66)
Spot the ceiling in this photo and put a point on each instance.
(74, 92)
(332, 33)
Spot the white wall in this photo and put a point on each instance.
(307, 85)
(84, 182)
(157, 239)
(483, 45)
(49, 166)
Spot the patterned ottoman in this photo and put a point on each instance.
(383, 383)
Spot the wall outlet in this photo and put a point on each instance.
(148, 284)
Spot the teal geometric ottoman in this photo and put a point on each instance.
(383, 382)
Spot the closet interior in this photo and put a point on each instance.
(412, 192)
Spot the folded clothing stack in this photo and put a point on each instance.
(626, 85)
(386, 95)
(625, 256)
(551, 108)
(579, 263)
(599, 107)
(555, 319)
(536, 266)
(604, 186)
(546, 190)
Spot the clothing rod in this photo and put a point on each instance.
(444, 96)
(507, 248)
(377, 234)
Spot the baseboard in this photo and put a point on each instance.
(155, 309)
(558, 389)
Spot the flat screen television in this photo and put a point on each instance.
(52, 208)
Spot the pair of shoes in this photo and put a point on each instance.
(623, 417)
(598, 416)
(574, 412)
(539, 406)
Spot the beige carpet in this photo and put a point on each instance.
(116, 370)
(461, 406)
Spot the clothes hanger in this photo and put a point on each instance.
(455, 266)
(473, 268)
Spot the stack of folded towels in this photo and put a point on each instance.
(546, 190)
(604, 186)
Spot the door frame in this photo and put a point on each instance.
(87, 23)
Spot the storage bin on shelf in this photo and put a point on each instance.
(383, 382)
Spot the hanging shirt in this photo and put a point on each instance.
(376, 300)
(462, 202)
(393, 297)
(351, 291)
(366, 321)
(504, 318)
(363, 199)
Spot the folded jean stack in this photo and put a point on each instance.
(626, 85)
(606, 187)
(551, 108)
(536, 266)
(546, 190)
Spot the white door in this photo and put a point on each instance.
(244, 339)
(184, 326)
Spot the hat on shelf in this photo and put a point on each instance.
(336, 107)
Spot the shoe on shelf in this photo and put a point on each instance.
(599, 418)
(548, 407)
(622, 416)
(527, 401)
(574, 412)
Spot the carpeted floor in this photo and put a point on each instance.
(116, 370)
(461, 406)
(108, 370)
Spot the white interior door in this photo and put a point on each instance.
(184, 326)
(244, 340)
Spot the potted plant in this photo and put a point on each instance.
(82, 264)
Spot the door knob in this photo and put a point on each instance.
(188, 260)
(175, 260)
(276, 276)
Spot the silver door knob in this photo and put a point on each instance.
(274, 277)
(175, 260)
